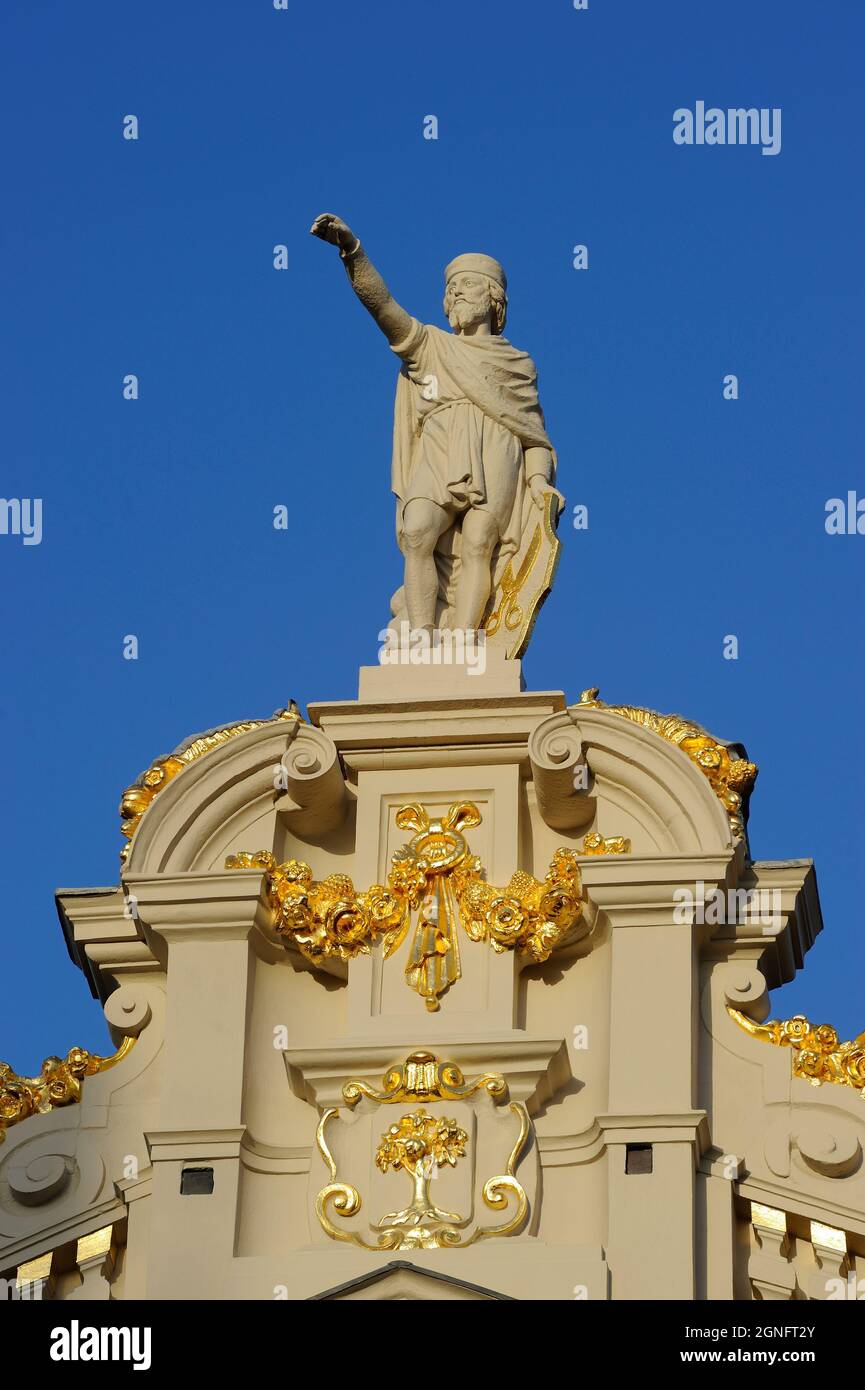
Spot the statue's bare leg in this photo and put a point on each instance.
(480, 534)
(423, 523)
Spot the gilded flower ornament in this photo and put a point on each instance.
(59, 1083)
(818, 1054)
(435, 889)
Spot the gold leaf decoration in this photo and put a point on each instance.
(436, 876)
(818, 1054)
(422, 1077)
(421, 1144)
(597, 844)
(138, 797)
(528, 915)
(59, 1083)
(731, 779)
(327, 919)
(418, 1144)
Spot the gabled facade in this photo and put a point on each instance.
(457, 994)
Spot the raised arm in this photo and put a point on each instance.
(366, 282)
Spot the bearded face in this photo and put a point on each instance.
(467, 301)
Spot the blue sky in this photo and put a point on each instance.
(260, 387)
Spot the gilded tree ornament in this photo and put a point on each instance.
(59, 1083)
(731, 779)
(421, 1145)
(818, 1055)
(436, 877)
(418, 1144)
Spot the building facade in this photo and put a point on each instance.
(454, 991)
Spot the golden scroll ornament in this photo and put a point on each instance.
(422, 1077)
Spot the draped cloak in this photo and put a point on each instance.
(466, 410)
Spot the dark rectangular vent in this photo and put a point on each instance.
(638, 1158)
(196, 1182)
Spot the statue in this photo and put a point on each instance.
(472, 463)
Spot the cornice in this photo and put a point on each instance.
(535, 1068)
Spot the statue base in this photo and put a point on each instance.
(489, 673)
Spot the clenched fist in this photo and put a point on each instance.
(328, 227)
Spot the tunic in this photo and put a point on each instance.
(466, 411)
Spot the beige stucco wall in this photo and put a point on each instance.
(621, 1039)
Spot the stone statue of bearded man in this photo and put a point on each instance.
(472, 462)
